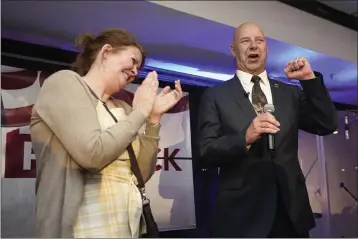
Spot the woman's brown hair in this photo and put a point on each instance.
(91, 45)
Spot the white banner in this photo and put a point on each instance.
(170, 189)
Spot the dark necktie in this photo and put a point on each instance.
(258, 96)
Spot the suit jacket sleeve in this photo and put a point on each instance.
(65, 106)
(317, 114)
(216, 149)
(148, 152)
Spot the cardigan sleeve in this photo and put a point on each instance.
(148, 151)
(65, 106)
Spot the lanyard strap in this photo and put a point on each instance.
(134, 163)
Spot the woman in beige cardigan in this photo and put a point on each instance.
(84, 184)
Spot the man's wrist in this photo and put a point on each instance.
(310, 76)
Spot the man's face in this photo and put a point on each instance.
(250, 49)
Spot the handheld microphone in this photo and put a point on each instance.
(271, 138)
(346, 126)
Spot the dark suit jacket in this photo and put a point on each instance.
(248, 181)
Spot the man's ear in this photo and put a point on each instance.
(232, 50)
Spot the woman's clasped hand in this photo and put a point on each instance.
(154, 105)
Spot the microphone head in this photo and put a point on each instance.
(269, 108)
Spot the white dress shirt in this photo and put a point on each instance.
(247, 84)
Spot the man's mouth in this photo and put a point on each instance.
(253, 56)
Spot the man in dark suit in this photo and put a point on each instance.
(261, 193)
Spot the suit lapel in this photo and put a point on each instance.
(277, 98)
(241, 99)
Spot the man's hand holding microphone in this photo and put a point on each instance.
(263, 124)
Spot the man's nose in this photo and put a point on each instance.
(253, 45)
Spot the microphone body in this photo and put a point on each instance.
(271, 138)
(271, 142)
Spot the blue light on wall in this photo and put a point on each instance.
(187, 70)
